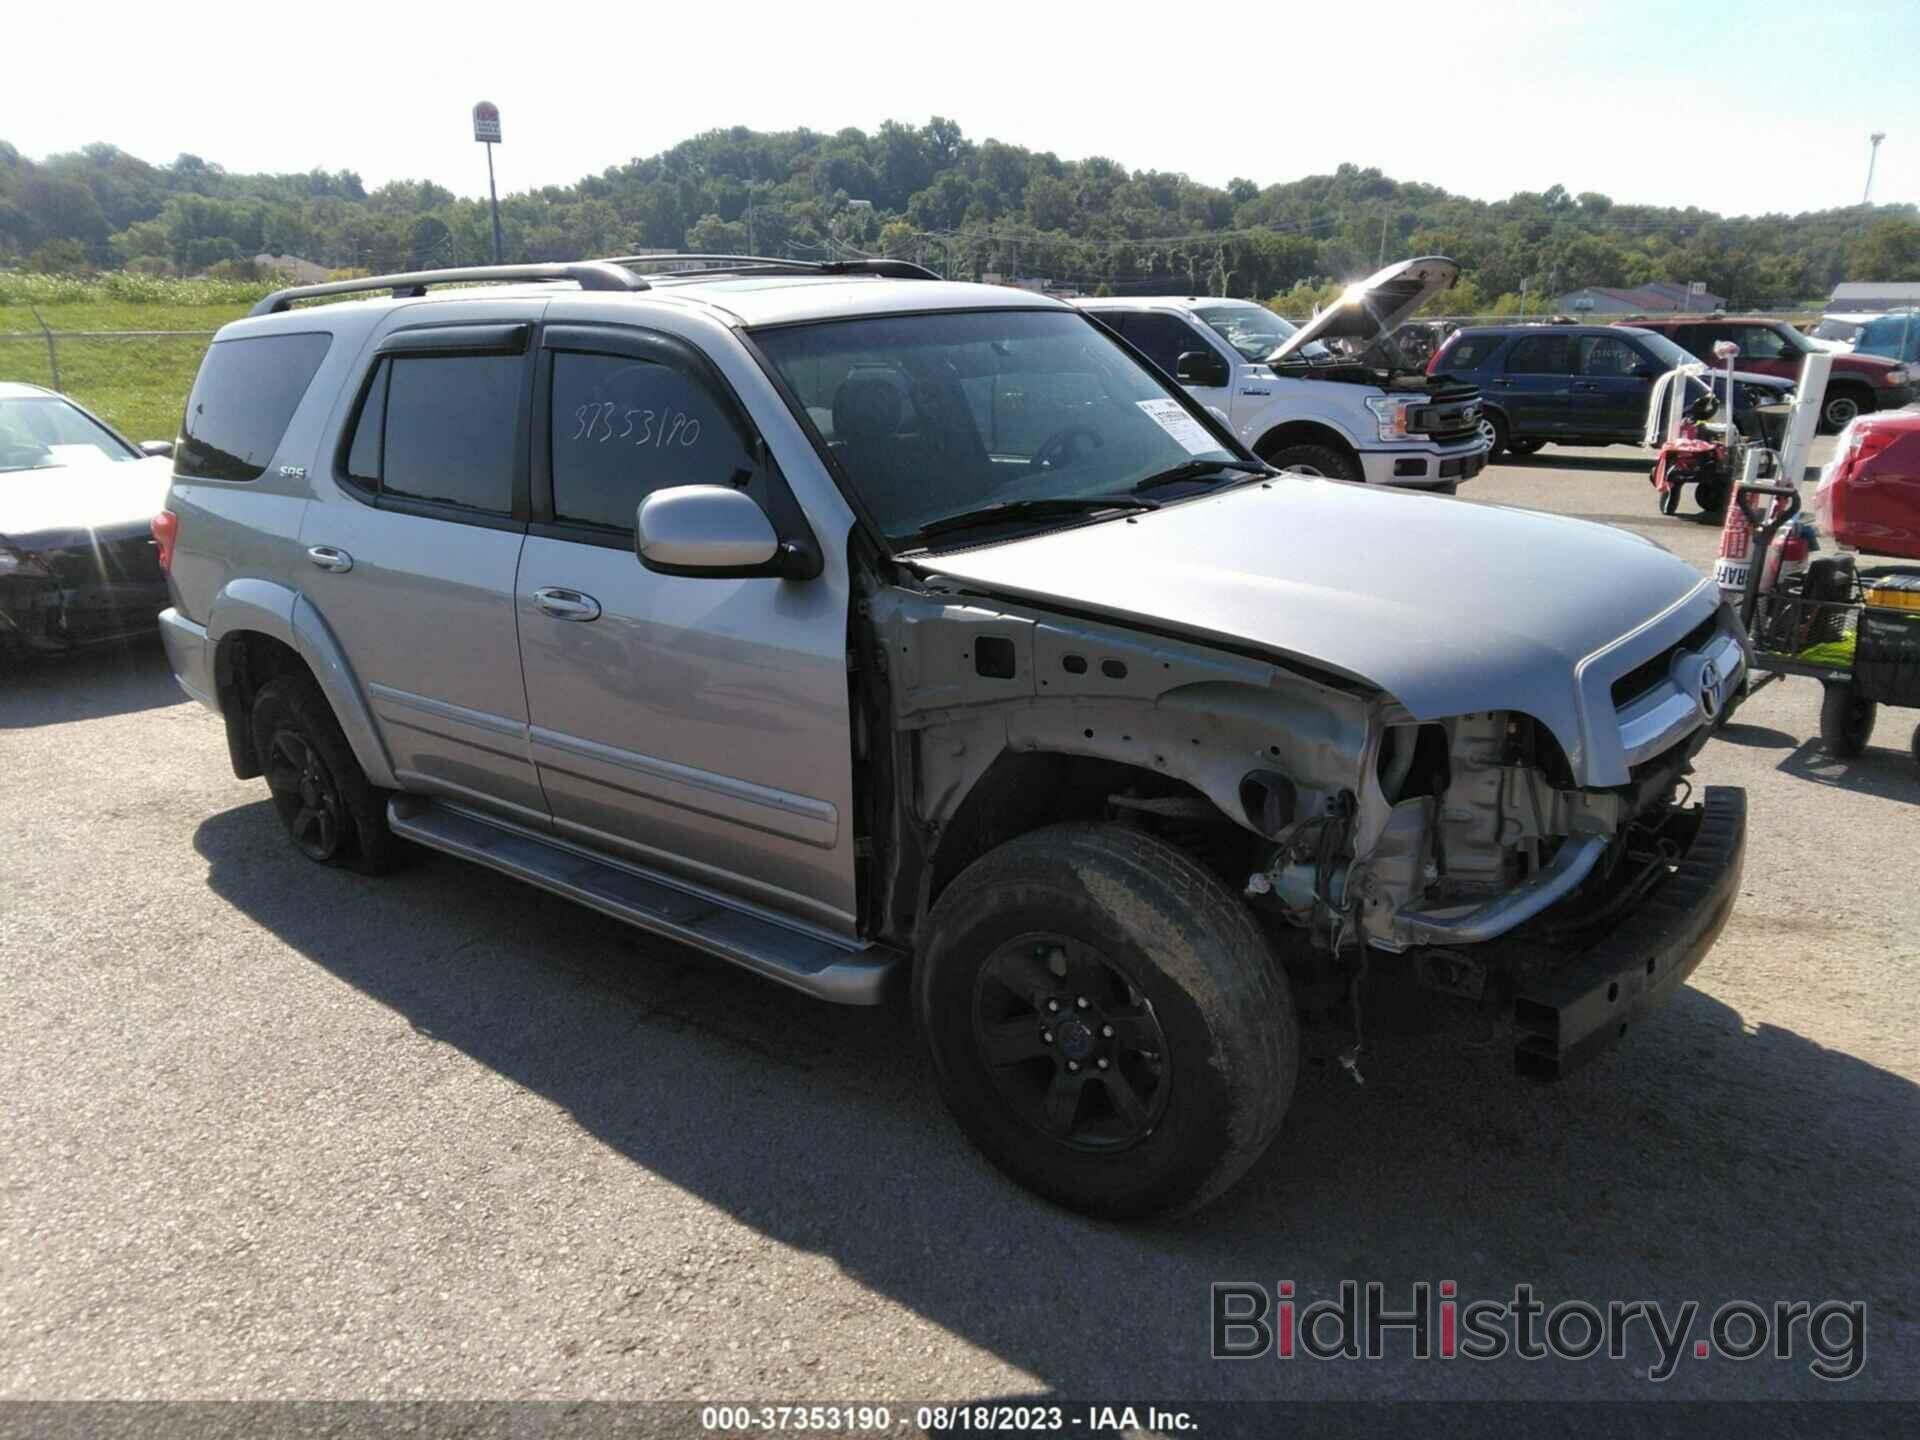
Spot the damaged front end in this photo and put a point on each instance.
(1463, 852)
(65, 590)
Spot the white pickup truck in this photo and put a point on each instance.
(1325, 398)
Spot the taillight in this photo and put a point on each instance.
(166, 530)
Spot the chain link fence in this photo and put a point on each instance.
(135, 380)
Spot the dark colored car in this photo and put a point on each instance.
(1574, 384)
(77, 560)
(1857, 385)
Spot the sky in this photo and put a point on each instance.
(1735, 107)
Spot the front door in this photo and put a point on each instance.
(1164, 338)
(1535, 388)
(696, 725)
(411, 561)
(1611, 382)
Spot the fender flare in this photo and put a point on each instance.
(286, 615)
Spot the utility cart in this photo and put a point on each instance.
(1855, 631)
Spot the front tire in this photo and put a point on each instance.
(1846, 721)
(1106, 1021)
(1525, 447)
(1320, 460)
(334, 815)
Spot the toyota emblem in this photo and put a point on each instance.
(1709, 689)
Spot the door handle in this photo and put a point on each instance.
(328, 558)
(1503, 382)
(564, 604)
(1585, 385)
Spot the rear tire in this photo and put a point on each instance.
(333, 813)
(1321, 460)
(1711, 496)
(1085, 943)
(1846, 721)
(1842, 405)
(1493, 429)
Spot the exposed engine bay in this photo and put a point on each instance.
(1335, 811)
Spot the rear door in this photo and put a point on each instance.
(411, 561)
(1611, 382)
(694, 724)
(1535, 385)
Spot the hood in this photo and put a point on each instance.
(62, 501)
(1375, 306)
(1449, 607)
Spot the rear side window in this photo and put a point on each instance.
(442, 429)
(624, 427)
(1541, 355)
(242, 402)
(1470, 352)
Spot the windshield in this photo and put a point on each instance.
(1256, 332)
(1832, 329)
(934, 416)
(37, 433)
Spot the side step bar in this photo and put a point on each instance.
(847, 974)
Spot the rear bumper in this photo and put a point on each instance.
(1423, 467)
(190, 656)
(1568, 1013)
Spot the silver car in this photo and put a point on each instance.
(859, 628)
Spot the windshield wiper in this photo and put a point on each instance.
(1199, 470)
(1039, 506)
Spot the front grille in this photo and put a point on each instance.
(1643, 677)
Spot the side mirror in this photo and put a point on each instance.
(1200, 367)
(162, 448)
(705, 530)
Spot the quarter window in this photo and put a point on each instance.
(1541, 355)
(624, 427)
(242, 402)
(1470, 352)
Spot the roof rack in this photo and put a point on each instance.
(588, 274)
(759, 264)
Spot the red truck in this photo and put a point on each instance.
(1857, 385)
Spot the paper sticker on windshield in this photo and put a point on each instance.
(1189, 432)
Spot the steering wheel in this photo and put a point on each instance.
(1062, 448)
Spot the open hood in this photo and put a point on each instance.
(1376, 306)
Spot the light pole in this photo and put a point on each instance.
(1872, 155)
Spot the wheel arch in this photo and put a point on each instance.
(1307, 432)
(259, 629)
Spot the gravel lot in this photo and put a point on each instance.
(272, 1131)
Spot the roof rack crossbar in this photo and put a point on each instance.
(588, 274)
(747, 264)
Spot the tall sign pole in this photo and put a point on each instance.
(486, 129)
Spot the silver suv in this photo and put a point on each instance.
(853, 626)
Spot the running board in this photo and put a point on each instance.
(847, 974)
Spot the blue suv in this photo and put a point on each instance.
(1574, 384)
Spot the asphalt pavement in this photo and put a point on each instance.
(274, 1131)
